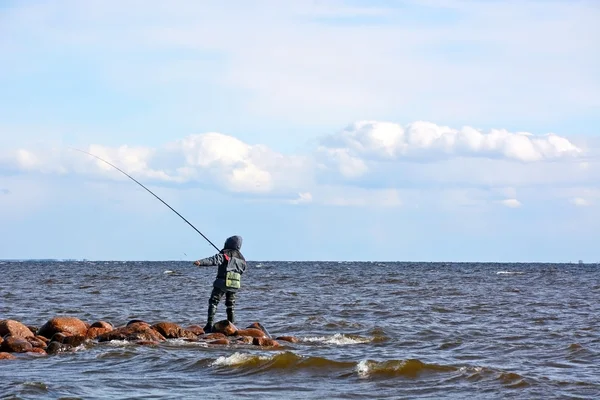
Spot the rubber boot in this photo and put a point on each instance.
(212, 310)
(231, 315)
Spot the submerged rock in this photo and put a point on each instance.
(290, 339)
(195, 329)
(133, 331)
(265, 342)
(14, 328)
(253, 332)
(66, 325)
(93, 332)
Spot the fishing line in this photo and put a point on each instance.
(133, 179)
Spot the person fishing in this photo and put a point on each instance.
(231, 266)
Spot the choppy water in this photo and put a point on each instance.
(367, 330)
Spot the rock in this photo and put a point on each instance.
(57, 347)
(7, 356)
(37, 350)
(171, 330)
(219, 341)
(244, 339)
(259, 326)
(36, 343)
(102, 324)
(1, 340)
(251, 332)
(66, 325)
(74, 340)
(290, 339)
(195, 329)
(211, 336)
(14, 328)
(133, 332)
(43, 339)
(93, 332)
(225, 327)
(265, 342)
(58, 337)
(13, 344)
(147, 342)
(137, 321)
(33, 329)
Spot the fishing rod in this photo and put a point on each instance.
(132, 178)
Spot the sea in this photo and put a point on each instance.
(366, 330)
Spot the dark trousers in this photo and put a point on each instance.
(215, 298)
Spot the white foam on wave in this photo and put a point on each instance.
(120, 343)
(509, 273)
(236, 359)
(337, 339)
(363, 368)
(168, 272)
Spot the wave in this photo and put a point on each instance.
(510, 273)
(337, 339)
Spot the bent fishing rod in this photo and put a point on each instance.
(133, 179)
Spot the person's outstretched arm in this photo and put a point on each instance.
(217, 259)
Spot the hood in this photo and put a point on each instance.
(233, 243)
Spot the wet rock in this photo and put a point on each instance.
(290, 339)
(137, 321)
(36, 343)
(195, 329)
(225, 327)
(147, 342)
(1, 340)
(43, 339)
(219, 341)
(244, 339)
(171, 330)
(265, 342)
(74, 340)
(7, 356)
(38, 351)
(251, 332)
(132, 332)
(211, 336)
(66, 325)
(259, 326)
(102, 324)
(93, 332)
(57, 347)
(13, 344)
(58, 337)
(33, 329)
(14, 328)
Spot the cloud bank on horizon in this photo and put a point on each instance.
(437, 109)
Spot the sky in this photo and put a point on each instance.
(432, 130)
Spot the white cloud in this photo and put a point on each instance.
(511, 203)
(580, 202)
(388, 141)
(303, 198)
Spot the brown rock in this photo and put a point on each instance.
(290, 339)
(43, 339)
(66, 325)
(13, 344)
(259, 326)
(171, 330)
(137, 321)
(36, 343)
(195, 329)
(14, 328)
(7, 356)
(93, 332)
(251, 332)
(133, 332)
(211, 336)
(225, 327)
(244, 339)
(37, 350)
(265, 342)
(33, 329)
(147, 342)
(1, 340)
(58, 337)
(74, 340)
(102, 324)
(219, 341)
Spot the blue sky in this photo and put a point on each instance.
(433, 130)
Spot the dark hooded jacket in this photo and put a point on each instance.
(231, 263)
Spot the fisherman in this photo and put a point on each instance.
(231, 265)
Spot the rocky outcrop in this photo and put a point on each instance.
(65, 325)
(14, 344)
(225, 327)
(14, 328)
(133, 331)
(173, 331)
